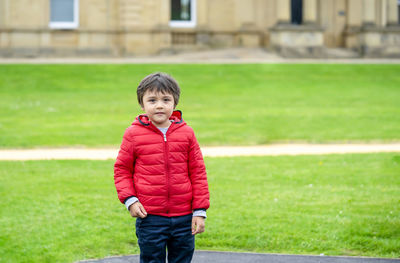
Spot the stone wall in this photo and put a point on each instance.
(136, 27)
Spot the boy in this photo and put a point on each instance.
(160, 175)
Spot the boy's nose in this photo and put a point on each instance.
(159, 105)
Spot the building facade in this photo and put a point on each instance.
(294, 28)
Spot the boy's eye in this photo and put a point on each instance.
(152, 100)
(167, 99)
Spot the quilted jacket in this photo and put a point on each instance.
(166, 173)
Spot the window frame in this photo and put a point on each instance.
(66, 25)
(193, 16)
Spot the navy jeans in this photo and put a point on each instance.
(156, 233)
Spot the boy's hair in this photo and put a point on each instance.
(159, 82)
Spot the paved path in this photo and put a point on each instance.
(226, 151)
(213, 56)
(225, 257)
(179, 60)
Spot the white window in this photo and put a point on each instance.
(64, 14)
(183, 13)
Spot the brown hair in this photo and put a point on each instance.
(159, 82)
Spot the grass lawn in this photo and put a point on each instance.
(91, 105)
(64, 211)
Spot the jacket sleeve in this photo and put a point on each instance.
(198, 176)
(124, 167)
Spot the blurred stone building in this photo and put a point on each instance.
(294, 28)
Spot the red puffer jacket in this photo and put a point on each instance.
(167, 175)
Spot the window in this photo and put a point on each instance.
(398, 10)
(297, 12)
(64, 14)
(183, 13)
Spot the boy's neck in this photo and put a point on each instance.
(169, 124)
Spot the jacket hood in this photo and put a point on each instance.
(144, 120)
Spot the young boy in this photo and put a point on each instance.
(160, 175)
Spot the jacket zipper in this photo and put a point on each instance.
(166, 168)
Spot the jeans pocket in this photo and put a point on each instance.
(137, 226)
(138, 222)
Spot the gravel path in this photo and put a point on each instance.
(212, 56)
(225, 151)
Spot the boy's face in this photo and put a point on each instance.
(159, 107)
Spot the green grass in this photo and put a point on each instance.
(91, 105)
(64, 211)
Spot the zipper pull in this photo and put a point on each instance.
(165, 138)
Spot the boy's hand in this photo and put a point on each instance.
(137, 210)
(198, 225)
